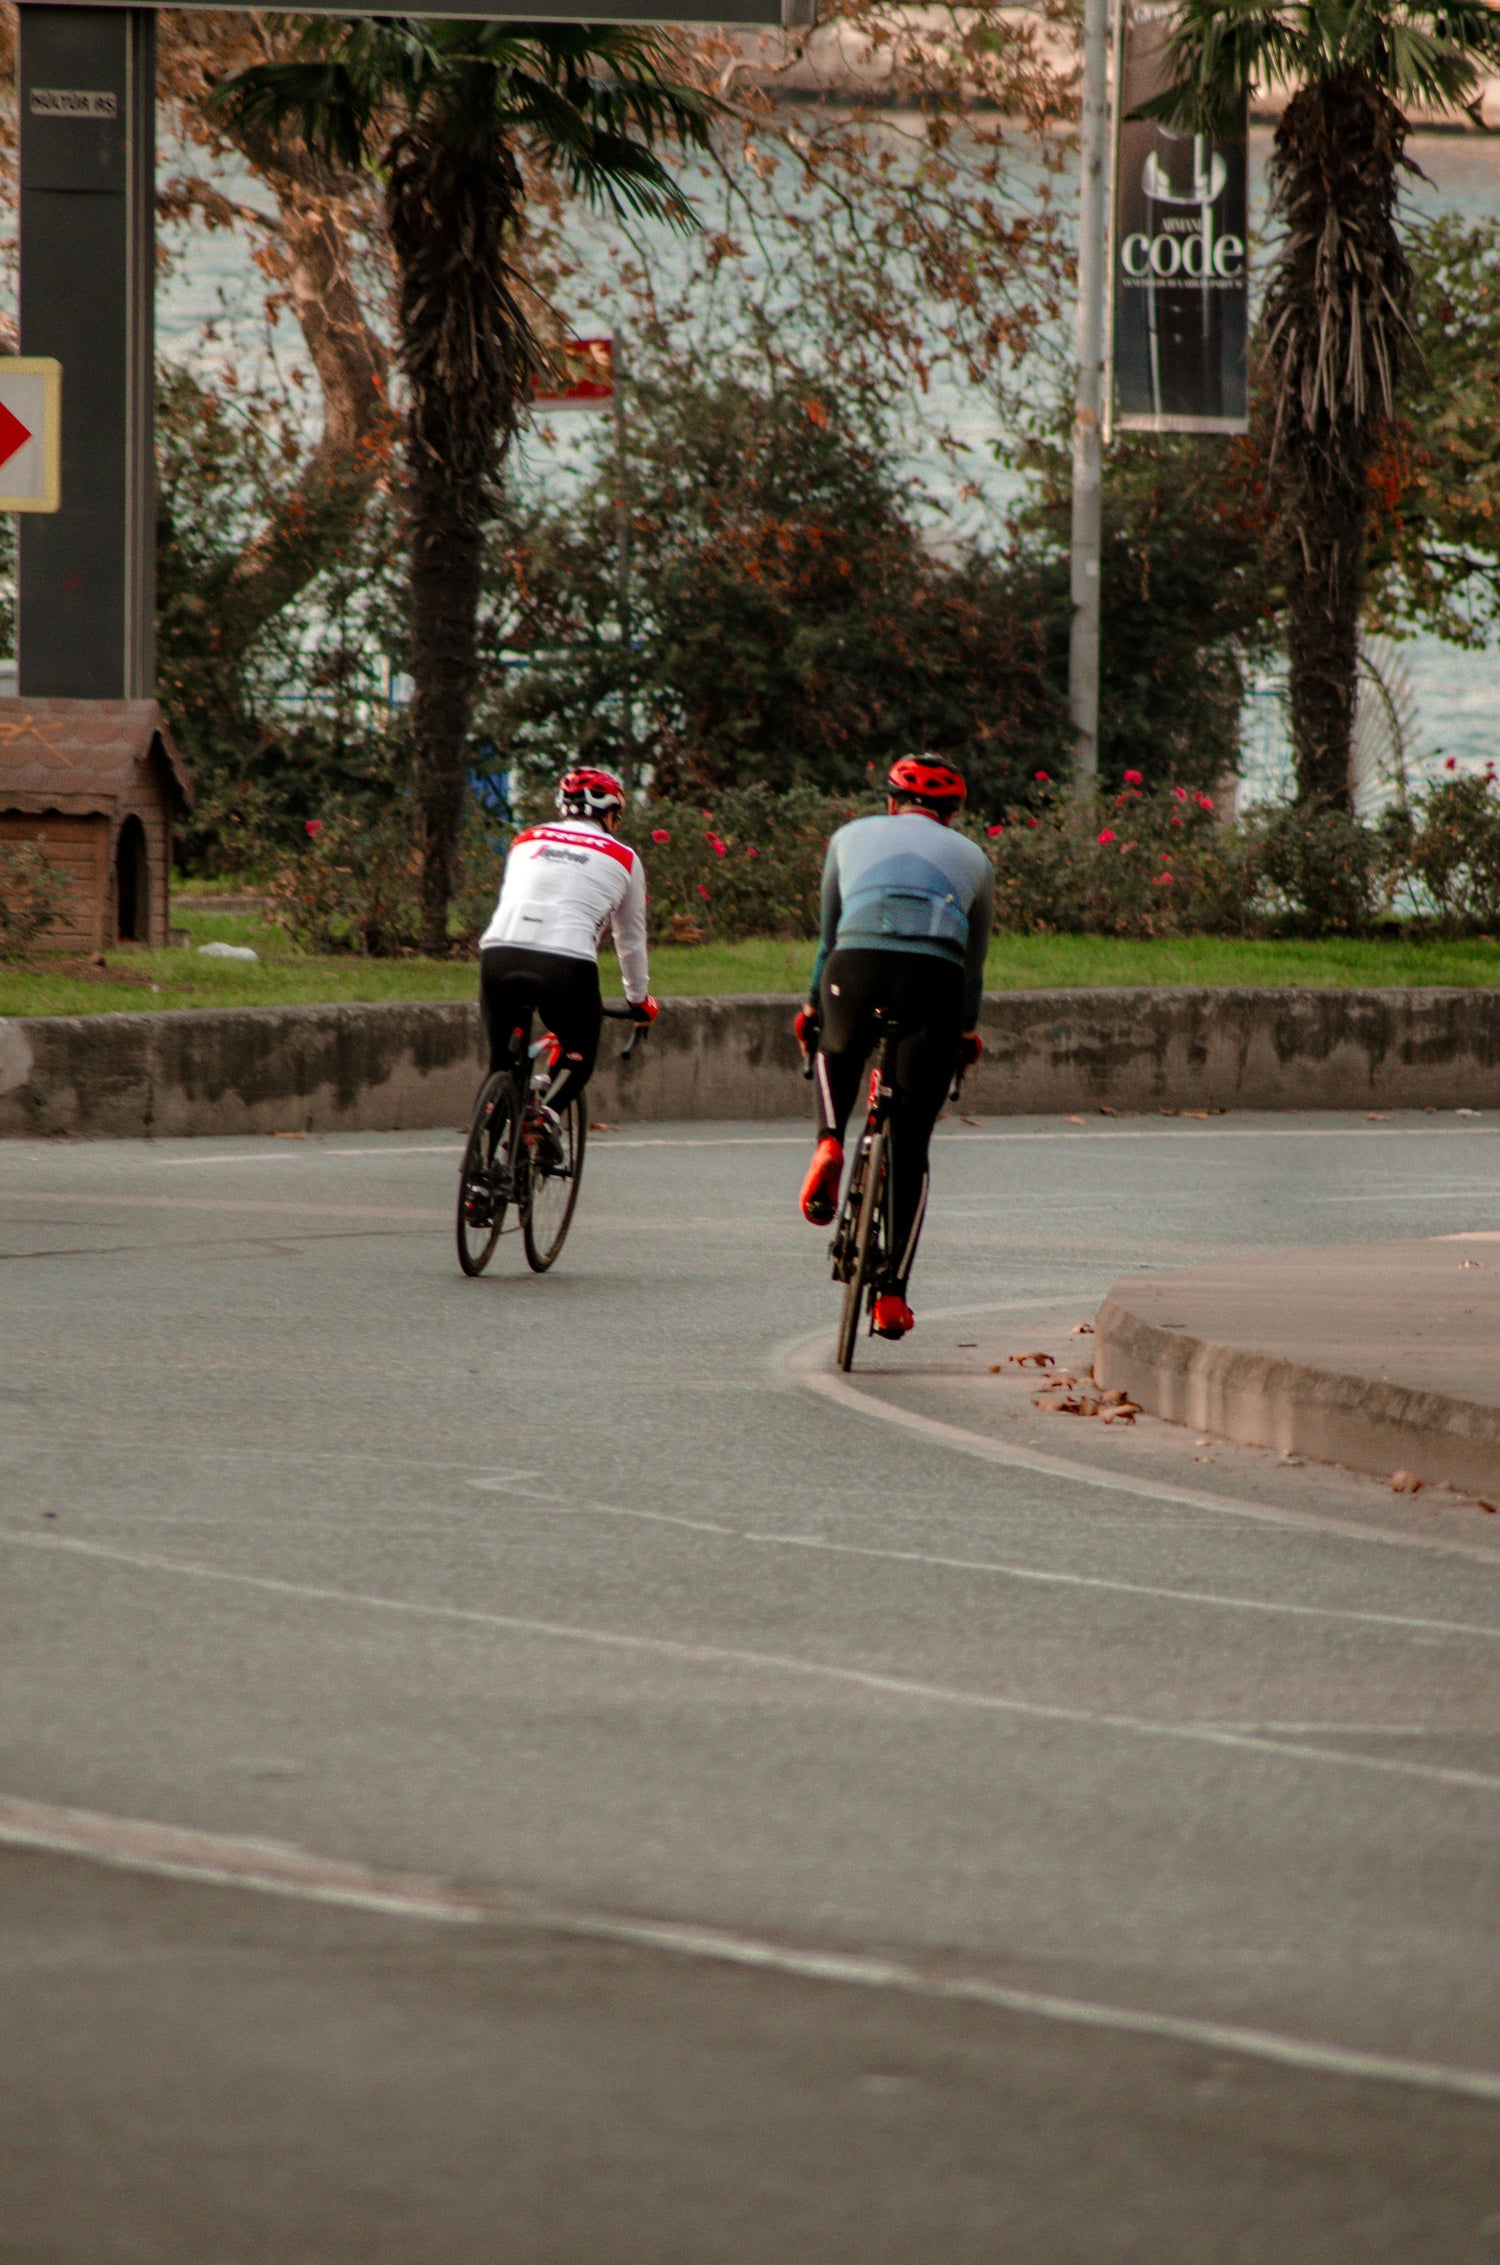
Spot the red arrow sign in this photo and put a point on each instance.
(13, 434)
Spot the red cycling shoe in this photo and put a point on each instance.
(893, 1316)
(820, 1190)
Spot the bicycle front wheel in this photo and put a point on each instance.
(867, 1240)
(483, 1183)
(552, 1191)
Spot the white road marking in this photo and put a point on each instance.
(1126, 1588)
(906, 1687)
(97, 1200)
(804, 1361)
(280, 1156)
(274, 1868)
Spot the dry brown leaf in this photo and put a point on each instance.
(1082, 1329)
(1405, 1482)
(1032, 1360)
(1073, 1120)
(1467, 1262)
(1376, 1117)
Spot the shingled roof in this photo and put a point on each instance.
(78, 756)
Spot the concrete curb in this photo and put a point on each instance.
(406, 1066)
(1382, 1357)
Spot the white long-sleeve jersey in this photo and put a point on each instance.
(564, 883)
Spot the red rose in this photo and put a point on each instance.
(1106, 836)
(1132, 778)
(315, 827)
(660, 834)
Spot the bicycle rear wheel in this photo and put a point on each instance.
(868, 1238)
(552, 1191)
(483, 1183)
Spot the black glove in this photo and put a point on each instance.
(644, 1011)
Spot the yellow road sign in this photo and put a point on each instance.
(30, 433)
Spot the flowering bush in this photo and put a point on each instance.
(1451, 849)
(1161, 865)
(744, 863)
(354, 884)
(33, 892)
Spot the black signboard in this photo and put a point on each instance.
(1179, 290)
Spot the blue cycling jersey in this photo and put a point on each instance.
(908, 884)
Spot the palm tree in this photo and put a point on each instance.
(445, 113)
(1337, 312)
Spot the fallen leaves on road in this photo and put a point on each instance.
(1405, 1482)
(1467, 1262)
(1082, 1329)
(1063, 1395)
(1032, 1360)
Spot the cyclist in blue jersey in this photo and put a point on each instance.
(907, 910)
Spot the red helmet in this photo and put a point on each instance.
(921, 778)
(589, 794)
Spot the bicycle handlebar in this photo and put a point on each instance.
(613, 1013)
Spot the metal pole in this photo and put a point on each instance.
(1093, 210)
(622, 560)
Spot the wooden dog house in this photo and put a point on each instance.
(96, 784)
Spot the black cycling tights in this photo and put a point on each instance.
(926, 995)
(515, 981)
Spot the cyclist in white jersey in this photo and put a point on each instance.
(564, 884)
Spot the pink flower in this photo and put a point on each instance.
(993, 830)
(1179, 793)
(1033, 821)
(1204, 801)
(1451, 764)
(315, 827)
(1042, 778)
(660, 834)
(1106, 836)
(718, 847)
(1164, 880)
(703, 892)
(751, 850)
(1177, 821)
(1132, 778)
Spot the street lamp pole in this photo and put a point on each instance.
(1093, 211)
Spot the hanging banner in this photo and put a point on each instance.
(1179, 295)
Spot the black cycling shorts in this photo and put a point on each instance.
(516, 982)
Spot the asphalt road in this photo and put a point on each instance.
(631, 1800)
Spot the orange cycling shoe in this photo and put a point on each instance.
(893, 1316)
(820, 1190)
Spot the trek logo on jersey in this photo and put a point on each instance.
(574, 848)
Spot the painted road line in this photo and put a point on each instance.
(805, 1363)
(720, 1657)
(276, 1868)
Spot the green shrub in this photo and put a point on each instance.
(1453, 852)
(1139, 863)
(33, 893)
(354, 885)
(746, 862)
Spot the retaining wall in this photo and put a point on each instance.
(395, 1066)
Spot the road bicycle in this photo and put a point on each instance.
(512, 1164)
(864, 1239)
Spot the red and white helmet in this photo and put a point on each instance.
(921, 778)
(589, 794)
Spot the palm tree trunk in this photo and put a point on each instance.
(1336, 320)
(467, 354)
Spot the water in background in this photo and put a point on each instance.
(1450, 697)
